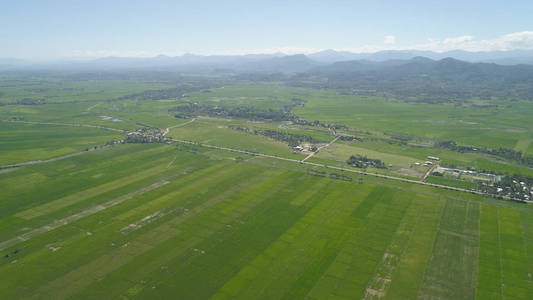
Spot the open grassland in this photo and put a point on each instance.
(153, 221)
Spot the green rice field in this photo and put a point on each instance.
(85, 214)
(152, 221)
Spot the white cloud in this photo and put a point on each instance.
(458, 40)
(513, 41)
(519, 40)
(389, 39)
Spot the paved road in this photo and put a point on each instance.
(344, 169)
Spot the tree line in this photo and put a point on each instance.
(363, 162)
(291, 139)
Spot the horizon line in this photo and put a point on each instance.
(141, 54)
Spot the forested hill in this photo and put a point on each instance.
(423, 79)
(413, 79)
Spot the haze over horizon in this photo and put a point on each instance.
(342, 149)
(55, 30)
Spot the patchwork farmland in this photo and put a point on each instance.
(219, 188)
(156, 220)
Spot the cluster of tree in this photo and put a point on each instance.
(298, 102)
(401, 138)
(340, 176)
(176, 92)
(317, 123)
(190, 148)
(191, 110)
(316, 173)
(37, 90)
(146, 135)
(500, 152)
(291, 139)
(141, 139)
(349, 138)
(294, 103)
(362, 162)
(517, 178)
(114, 142)
(515, 186)
(451, 145)
(31, 101)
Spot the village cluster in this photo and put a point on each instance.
(147, 135)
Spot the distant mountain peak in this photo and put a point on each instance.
(421, 59)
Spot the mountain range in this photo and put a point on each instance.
(276, 62)
(428, 76)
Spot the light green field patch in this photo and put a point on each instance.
(376, 220)
(342, 151)
(516, 275)
(451, 271)
(378, 286)
(192, 183)
(408, 276)
(30, 142)
(489, 285)
(216, 132)
(523, 145)
(315, 187)
(214, 224)
(60, 203)
(287, 263)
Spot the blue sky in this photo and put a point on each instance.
(66, 29)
